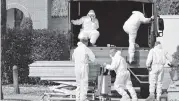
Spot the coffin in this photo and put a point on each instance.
(64, 70)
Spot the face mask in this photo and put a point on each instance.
(92, 17)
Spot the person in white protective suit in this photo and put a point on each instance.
(123, 79)
(89, 28)
(156, 60)
(131, 27)
(82, 56)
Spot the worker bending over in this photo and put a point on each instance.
(123, 79)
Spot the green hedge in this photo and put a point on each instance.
(50, 45)
(16, 50)
(22, 47)
(175, 61)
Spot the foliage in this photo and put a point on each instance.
(174, 8)
(168, 7)
(23, 46)
(51, 45)
(27, 24)
(175, 61)
(16, 51)
(59, 8)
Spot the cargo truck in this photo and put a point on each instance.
(111, 15)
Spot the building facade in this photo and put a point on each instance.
(43, 13)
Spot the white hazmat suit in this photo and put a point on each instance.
(82, 56)
(131, 27)
(89, 27)
(123, 79)
(157, 58)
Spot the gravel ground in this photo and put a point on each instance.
(26, 89)
(27, 92)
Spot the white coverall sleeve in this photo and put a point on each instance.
(73, 58)
(113, 65)
(91, 55)
(96, 24)
(78, 21)
(145, 20)
(149, 58)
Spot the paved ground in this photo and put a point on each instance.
(30, 93)
(26, 97)
(27, 93)
(35, 93)
(21, 97)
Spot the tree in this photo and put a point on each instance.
(174, 8)
(3, 30)
(168, 7)
(59, 8)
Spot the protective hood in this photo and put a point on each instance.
(158, 47)
(118, 53)
(80, 43)
(91, 12)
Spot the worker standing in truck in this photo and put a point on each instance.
(123, 79)
(82, 56)
(89, 28)
(131, 27)
(156, 60)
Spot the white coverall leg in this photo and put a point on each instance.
(132, 38)
(93, 36)
(89, 34)
(131, 50)
(78, 82)
(156, 78)
(123, 80)
(83, 34)
(82, 82)
(131, 89)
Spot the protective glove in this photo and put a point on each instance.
(72, 21)
(152, 17)
(170, 64)
(149, 68)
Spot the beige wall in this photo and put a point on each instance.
(60, 23)
(10, 18)
(170, 39)
(40, 13)
(36, 9)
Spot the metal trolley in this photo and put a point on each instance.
(99, 87)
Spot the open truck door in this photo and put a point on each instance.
(160, 23)
(156, 28)
(111, 16)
